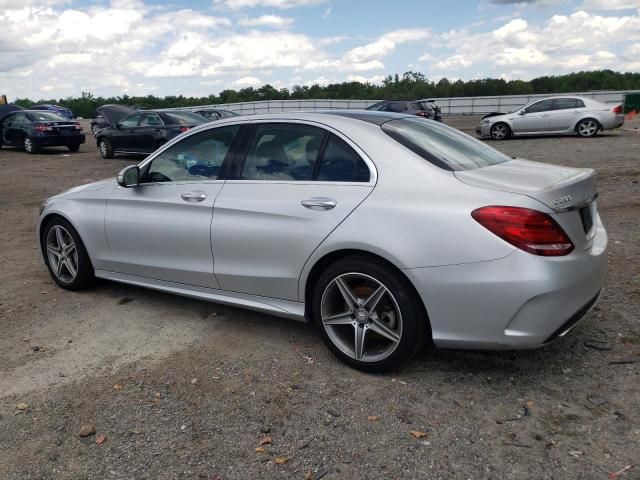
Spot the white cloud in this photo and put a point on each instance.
(610, 4)
(282, 4)
(273, 21)
(359, 78)
(248, 82)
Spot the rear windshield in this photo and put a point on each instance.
(443, 146)
(48, 117)
(185, 118)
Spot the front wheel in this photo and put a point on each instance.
(105, 148)
(65, 255)
(74, 147)
(588, 128)
(29, 146)
(500, 131)
(368, 314)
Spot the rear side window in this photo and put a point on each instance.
(185, 118)
(579, 103)
(442, 146)
(567, 103)
(340, 163)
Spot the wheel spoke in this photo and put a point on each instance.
(59, 238)
(343, 318)
(53, 251)
(372, 302)
(348, 296)
(360, 332)
(381, 329)
(71, 268)
(59, 268)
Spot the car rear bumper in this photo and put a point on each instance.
(519, 301)
(58, 140)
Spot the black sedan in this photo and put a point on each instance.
(33, 129)
(142, 132)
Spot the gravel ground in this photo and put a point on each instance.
(179, 388)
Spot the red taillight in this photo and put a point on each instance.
(184, 129)
(529, 230)
(617, 109)
(42, 128)
(78, 126)
(422, 114)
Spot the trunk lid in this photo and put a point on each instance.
(559, 188)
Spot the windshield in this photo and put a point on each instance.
(443, 146)
(185, 118)
(48, 117)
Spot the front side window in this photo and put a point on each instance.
(340, 163)
(542, 106)
(197, 157)
(18, 118)
(441, 145)
(130, 121)
(282, 152)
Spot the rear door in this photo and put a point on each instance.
(294, 185)
(534, 118)
(161, 229)
(565, 113)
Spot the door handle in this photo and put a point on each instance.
(319, 203)
(195, 196)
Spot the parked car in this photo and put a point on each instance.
(212, 114)
(431, 236)
(421, 108)
(141, 132)
(33, 129)
(112, 113)
(65, 112)
(563, 115)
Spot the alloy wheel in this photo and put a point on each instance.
(104, 151)
(28, 145)
(62, 254)
(587, 128)
(361, 317)
(499, 131)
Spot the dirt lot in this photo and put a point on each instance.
(187, 389)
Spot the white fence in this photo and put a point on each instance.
(449, 105)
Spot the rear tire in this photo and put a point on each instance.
(588, 128)
(392, 328)
(106, 150)
(65, 255)
(74, 147)
(500, 131)
(29, 146)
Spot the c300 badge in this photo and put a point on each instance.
(562, 200)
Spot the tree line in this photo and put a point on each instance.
(409, 85)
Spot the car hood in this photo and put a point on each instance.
(91, 186)
(113, 113)
(557, 187)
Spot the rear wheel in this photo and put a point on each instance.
(66, 256)
(500, 131)
(29, 146)
(368, 315)
(94, 129)
(74, 147)
(105, 148)
(588, 128)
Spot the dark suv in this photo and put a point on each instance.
(422, 108)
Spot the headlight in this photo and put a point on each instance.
(43, 205)
(485, 121)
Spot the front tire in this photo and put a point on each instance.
(29, 146)
(368, 314)
(65, 255)
(74, 147)
(500, 131)
(106, 150)
(588, 128)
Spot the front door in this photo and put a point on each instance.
(124, 137)
(534, 118)
(161, 229)
(295, 185)
(149, 131)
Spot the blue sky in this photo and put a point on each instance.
(57, 48)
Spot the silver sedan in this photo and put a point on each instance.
(553, 116)
(385, 231)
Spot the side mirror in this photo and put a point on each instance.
(521, 112)
(129, 176)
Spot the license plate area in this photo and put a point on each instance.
(586, 215)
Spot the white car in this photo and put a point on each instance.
(553, 116)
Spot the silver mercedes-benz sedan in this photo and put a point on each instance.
(553, 116)
(386, 231)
